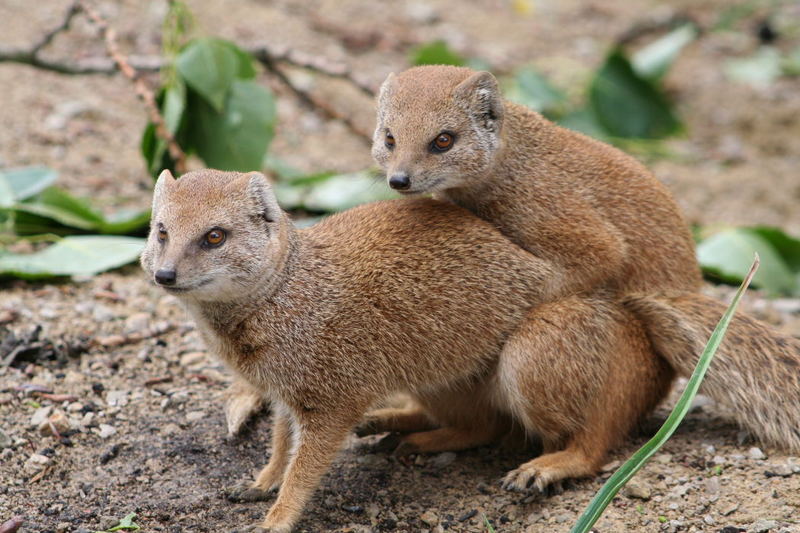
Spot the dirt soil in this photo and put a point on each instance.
(135, 399)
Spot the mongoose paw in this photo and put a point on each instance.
(256, 528)
(245, 492)
(366, 428)
(241, 404)
(387, 444)
(404, 449)
(526, 477)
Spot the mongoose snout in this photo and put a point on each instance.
(400, 181)
(166, 277)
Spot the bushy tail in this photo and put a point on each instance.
(755, 373)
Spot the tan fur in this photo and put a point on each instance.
(608, 228)
(411, 296)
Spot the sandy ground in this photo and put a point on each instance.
(140, 397)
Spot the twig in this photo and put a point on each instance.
(311, 101)
(142, 90)
(316, 64)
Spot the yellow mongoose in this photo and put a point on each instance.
(607, 226)
(409, 296)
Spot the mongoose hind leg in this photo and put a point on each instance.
(447, 439)
(581, 373)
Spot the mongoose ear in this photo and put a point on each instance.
(163, 183)
(480, 96)
(386, 87)
(385, 92)
(264, 201)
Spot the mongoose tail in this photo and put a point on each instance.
(756, 371)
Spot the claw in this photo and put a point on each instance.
(244, 492)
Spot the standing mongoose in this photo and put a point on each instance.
(412, 296)
(607, 227)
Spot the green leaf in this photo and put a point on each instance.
(172, 103)
(209, 66)
(759, 70)
(627, 105)
(62, 207)
(531, 89)
(787, 247)
(329, 193)
(20, 183)
(435, 53)
(654, 60)
(637, 461)
(236, 138)
(726, 255)
(84, 255)
(126, 523)
(584, 121)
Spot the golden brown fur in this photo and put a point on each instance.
(608, 229)
(410, 296)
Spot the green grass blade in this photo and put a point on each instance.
(632, 465)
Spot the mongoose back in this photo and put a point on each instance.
(411, 295)
(608, 227)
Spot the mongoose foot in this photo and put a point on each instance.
(387, 444)
(255, 528)
(404, 449)
(523, 479)
(367, 427)
(245, 492)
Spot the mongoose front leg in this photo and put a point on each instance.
(319, 439)
(449, 439)
(271, 476)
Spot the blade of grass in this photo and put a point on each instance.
(632, 465)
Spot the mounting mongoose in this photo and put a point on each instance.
(606, 226)
(413, 296)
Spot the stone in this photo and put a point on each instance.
(430, 518)
(40, 416)
(755, 453)
(5, 440)
(443, 459)
(57, 421)
(35, 463)
(194, 416)
(193, 359)
(729, 510)
(137, 322)
(637, 489)
(117, 398)
(107, 431)
(762, 526)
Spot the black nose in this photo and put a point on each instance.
(165, 277)
(399, 181)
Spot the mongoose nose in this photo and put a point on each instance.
(165, 277)
(400, 181)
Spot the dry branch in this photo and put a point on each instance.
(144, 93)
(132, 66)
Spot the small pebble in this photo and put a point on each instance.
(107, 431)
(443, 459)
(755, 453)
(40, 416)
(637, 489)
(430, 518)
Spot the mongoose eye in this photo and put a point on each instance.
(161, 235)
(443, 142)
(214, 238)
(389, 140)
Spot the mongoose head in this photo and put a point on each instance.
(214, 236)
(438, 127)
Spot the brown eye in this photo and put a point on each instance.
(389, 140)
(162, 235)
(443, 142)
(215, 237)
